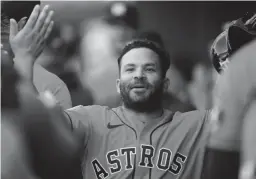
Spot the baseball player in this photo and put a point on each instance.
(141, 139)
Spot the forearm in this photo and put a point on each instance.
(44, 103)
(50, 138)
(24, 64)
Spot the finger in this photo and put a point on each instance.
(49, 30)
(251, 20)
(254, 22)
(21, 23)
(13, 28)
(40, 49)
(41, 19)
(33, 18)
(46, 23)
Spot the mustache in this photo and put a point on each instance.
(139, 83)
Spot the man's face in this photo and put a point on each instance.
(141, 82)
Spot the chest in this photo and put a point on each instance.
(151, 152)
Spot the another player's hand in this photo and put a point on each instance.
(251, 23)
(29, 42)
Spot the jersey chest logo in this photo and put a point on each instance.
(164, 157)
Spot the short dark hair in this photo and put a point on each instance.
(145, 43)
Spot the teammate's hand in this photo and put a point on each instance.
(251, 23)
(29, 42)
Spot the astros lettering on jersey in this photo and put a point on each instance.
(118, 147)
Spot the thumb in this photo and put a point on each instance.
(13, 28)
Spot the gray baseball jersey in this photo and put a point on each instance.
(116, 146)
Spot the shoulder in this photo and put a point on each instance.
(92, 110)
(192, 114)
(95, 115)
(196, 116)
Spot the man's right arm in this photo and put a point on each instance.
(54, 148)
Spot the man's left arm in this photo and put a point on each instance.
(233, 95)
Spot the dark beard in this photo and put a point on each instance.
(152, 103)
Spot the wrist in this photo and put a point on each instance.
(24, 58)
(24, 66)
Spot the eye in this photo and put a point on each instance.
(129, 69)
(150, 70)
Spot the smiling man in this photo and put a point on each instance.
(142, 92)
(140, 139)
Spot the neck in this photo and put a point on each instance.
(143, 116)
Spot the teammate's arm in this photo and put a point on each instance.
(233, 94)
(54, 147)
(28, 43)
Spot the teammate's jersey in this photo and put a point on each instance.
(116, 147)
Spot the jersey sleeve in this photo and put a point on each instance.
(86, 120)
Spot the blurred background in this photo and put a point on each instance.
(89, 35)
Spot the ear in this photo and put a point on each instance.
(118, 85)
(166, 84)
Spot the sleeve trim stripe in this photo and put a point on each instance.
(71, 123)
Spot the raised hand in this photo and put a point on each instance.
(251, 23)
(29, 42)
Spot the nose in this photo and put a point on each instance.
(139, 73)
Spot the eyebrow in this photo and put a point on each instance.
(150, 65)
(146, 65)
(129, 65)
